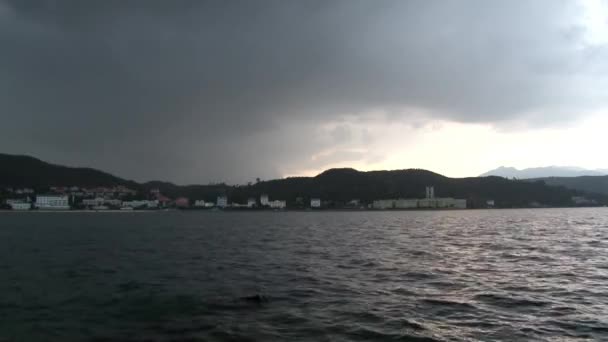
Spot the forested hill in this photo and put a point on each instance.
(25, 171)
(337, 186)
(597, 184)
(342, 185)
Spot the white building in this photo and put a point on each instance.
(442, 203)
(460, 203)
(581, 200)
(251, 202)
(264, 200)
(209, 205)
(153, 204)
(20, 206)
(384, 204)
(13, 201)
(203, 204)
(113, 202)
(140, 204)
(52, 202)
(100, 207)
(429, 202)
(93, 202)
(222, 201)
(315, 203)
(406, 203)
(276, 204)
(423, 203)
(354, 203)
(101, 202)
(24, 191)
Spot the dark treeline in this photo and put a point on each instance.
(342, 185)
(593, 184)
(25, 171)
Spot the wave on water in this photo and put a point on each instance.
(508, 275)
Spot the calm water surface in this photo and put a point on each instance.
(510, 275)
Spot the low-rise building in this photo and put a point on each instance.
(140, 204)
(51, 202)
(407, 203)
(122, 190)
(427, 203)
(277, 204)
(93, 202)
(162, 200)
(264, 200)
(101, 202)
(100, 207)
(24, 191)
(460, 203)
(384, 204)
(182, 202)
(354, 203)
(582, 200)
(442, 203)
(430, 202)
(20, 205)
(315, 203)
(18, 200)
(203, 204)
(113, 202)
(251, 202)
(222, 201)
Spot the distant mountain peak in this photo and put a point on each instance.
(541, 172)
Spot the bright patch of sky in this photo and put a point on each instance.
(595, 21)
(457, 149)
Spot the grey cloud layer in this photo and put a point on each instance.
(215, 90)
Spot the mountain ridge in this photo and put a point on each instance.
(338, 186)
(543, 172)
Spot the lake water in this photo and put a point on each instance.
(490, 275)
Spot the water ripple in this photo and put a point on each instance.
(479, 275)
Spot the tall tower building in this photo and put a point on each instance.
(430, 192)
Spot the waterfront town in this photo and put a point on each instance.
(123, 198)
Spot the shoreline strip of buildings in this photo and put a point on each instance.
(121, 198)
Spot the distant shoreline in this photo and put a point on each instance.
(277, 211)
(79, 211)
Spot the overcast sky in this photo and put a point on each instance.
(206, 91)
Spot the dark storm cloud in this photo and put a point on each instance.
(231, 90)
